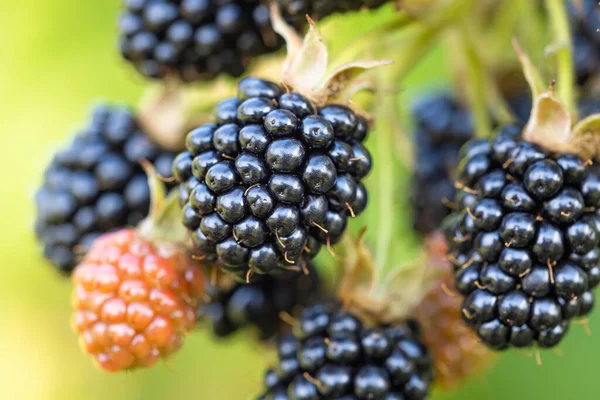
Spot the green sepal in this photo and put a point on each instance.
(164, 221)
(586, 137)
(306, 64)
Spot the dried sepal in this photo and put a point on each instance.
(585, 137)
(306, 64)
(531, 73)
(292, 38)
(549, 124)
(393, 301)
(340, 78)
(358, 267)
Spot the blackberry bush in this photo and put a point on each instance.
(525, 240)
(258, 305)
(442, 126)
(332, 355)
(199, 39)
(96, 185)
(272, 179)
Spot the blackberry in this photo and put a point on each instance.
(585, 20)
(258, 305)
(333, 356)
(526, 252)
(199, 39)
(96, 185)
(442, 126)
(273, 179)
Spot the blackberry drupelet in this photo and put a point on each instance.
(333, 356)
(585, 21)
(199, 39)
(442, 126)
(273, 179)
(258, 305)
(96, 185)
(524, 242)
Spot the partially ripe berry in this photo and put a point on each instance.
(134, 301)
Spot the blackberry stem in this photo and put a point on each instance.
(476, 90)
(559, 23)
(386, 120)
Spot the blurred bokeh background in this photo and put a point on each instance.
(56, 57)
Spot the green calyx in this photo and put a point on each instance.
(163, 223)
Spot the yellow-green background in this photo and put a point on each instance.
(55, 57)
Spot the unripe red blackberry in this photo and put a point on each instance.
(524, 241)
(272, 179)
(199, 39)
(332, 355)
(134, 300)
(96, 185)
(258, 305)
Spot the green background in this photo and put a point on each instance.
(55, 58)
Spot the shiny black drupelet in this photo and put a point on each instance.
(200, 39)
(258, 305)
(96, 185)
(332, 355)
(524, 242)
(272, 179)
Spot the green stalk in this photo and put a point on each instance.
(476, 88)
(562, 39)
(386, 125)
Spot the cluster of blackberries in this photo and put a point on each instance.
(442, 126)
(258, 305)
(585, 21)
(96, 185)
(195, 39)
(199, 39)
(332, 356)
(273, 179)
(524, 241)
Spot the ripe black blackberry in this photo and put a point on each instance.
(333, 356)
(96, 185)
(273, 179)
(442, 126)
(524, 241)
(199, 39)
(258, 305)
(585, 21)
